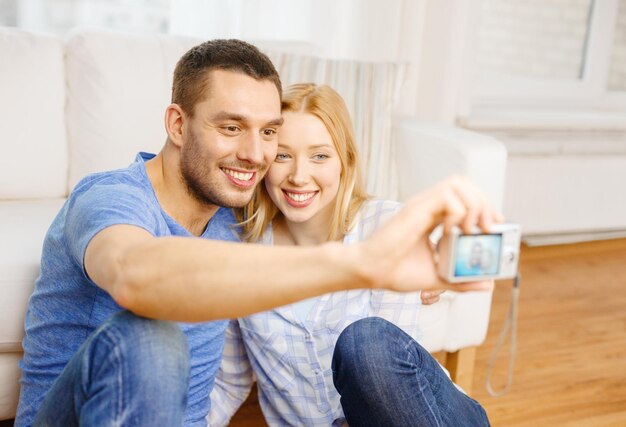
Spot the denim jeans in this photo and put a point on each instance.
(385, 378)
(130, 372)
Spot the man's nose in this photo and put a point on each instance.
(251, 148)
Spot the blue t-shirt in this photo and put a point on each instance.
(66, 306)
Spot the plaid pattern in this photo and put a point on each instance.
(290, 358)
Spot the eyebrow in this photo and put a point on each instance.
(276, 122)
(312, 147)
(225, 115)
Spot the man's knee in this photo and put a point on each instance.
(151, 343)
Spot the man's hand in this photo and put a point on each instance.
(399, 256)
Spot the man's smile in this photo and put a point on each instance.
(240, 178)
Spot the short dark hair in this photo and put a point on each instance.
(191, 76)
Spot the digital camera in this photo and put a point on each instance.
(480, 256)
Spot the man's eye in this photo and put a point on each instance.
(231, 129)
(269, 132)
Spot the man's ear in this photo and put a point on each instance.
(174, 121)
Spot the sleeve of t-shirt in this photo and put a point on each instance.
(102, 206)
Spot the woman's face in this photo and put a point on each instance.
(304, 179)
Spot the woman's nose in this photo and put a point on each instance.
(299, 175)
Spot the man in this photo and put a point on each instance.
(123, 252)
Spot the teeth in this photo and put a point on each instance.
(242, 176)
(300, 197)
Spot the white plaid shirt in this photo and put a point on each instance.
(291, 358)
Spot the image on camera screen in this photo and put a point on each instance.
(478, 255)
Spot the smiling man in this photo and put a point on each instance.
(135, 250)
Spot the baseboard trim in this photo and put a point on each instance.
(569, 238)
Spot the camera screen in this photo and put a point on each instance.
(477, 255)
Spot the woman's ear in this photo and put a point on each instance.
(174, 120)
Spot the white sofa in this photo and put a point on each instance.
(91, 101)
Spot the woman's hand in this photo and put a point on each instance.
(430, 297)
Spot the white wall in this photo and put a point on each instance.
(567, 185)
(358, 30)
(565, 167)
(564, 130)
(564, 181)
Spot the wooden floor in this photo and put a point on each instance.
(570, 365)
(571, 359)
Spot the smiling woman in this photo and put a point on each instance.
(302, 354)
(304, 180)
(316, 180)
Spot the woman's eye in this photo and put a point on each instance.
(320, 157)
(282, 156)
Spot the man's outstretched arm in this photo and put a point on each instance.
(193, 279)
(186, 279)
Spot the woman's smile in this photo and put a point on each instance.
(299, 199)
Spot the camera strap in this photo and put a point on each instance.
(509, 326)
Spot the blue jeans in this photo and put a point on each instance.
(130, 372)
(385, 378)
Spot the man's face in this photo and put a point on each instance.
(231, 140)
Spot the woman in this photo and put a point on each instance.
(313, 193)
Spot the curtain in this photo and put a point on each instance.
(354, 46)
(370, 90)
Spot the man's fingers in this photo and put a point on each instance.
(463, 204)
(478, 209)
(455, 209)
(455, 202)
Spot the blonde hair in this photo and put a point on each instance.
(328, 106)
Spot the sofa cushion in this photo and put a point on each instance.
(32, 116)
(118, 88)
(23, 226)
(9, 390)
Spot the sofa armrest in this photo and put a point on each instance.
(427, 153)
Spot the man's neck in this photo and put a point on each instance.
(174, 197)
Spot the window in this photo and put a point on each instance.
(617, 74)
(550, 61)
(58, 16)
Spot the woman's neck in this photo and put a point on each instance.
(306, 233)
